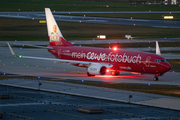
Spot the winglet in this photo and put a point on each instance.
(12, 52)
(158, 52)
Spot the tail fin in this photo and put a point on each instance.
(54, 34)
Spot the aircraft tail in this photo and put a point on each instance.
(158, 52)
(54, 34)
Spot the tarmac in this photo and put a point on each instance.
(99, 20)
(32, 104)
(138, 98)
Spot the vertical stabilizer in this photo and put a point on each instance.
(54, 34)
(158, 52)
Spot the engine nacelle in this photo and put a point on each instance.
(97, 69)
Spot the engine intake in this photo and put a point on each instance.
(97, 69)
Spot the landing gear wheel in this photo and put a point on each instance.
(155, 78)
(114, 73)
(88, 74)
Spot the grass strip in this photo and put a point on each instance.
(32, 30)
(175, 63)
(136, 44)
(153, 89)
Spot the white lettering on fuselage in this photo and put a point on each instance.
(107, 57)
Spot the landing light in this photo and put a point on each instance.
(107, 70)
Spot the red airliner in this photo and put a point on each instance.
(99, 61)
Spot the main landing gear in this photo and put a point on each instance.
(88, 74)
(114, 73)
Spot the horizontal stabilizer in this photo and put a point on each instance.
(12, 52)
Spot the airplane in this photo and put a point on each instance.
(99, 61)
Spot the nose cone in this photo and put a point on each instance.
(166, 67)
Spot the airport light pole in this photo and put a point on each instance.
(39, 85)
(130, 96)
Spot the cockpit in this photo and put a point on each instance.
(158, 61)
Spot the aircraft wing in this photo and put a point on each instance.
(52, 59)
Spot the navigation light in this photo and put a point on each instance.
(115, 48)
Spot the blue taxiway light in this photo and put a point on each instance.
(93, 39)
(4, 73)
(39, 77)
(20, 48)
(149, 84)
(15, 40)
(149, 47)
(23, 45)
(173, 71)
(149, 41)
(82, 80)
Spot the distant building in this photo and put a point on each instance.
(172, 2)
(166, 2)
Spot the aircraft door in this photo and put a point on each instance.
(148, 60)
(147, 64)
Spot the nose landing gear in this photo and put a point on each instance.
(156, 78)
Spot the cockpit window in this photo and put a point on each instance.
(160, 61)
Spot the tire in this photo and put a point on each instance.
(155, 78)
(88, 74)
(114, 73)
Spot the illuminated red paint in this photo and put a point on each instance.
(120, 60)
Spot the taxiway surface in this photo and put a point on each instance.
(99, 20)
(31, 104)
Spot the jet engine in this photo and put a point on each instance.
(97, 69)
